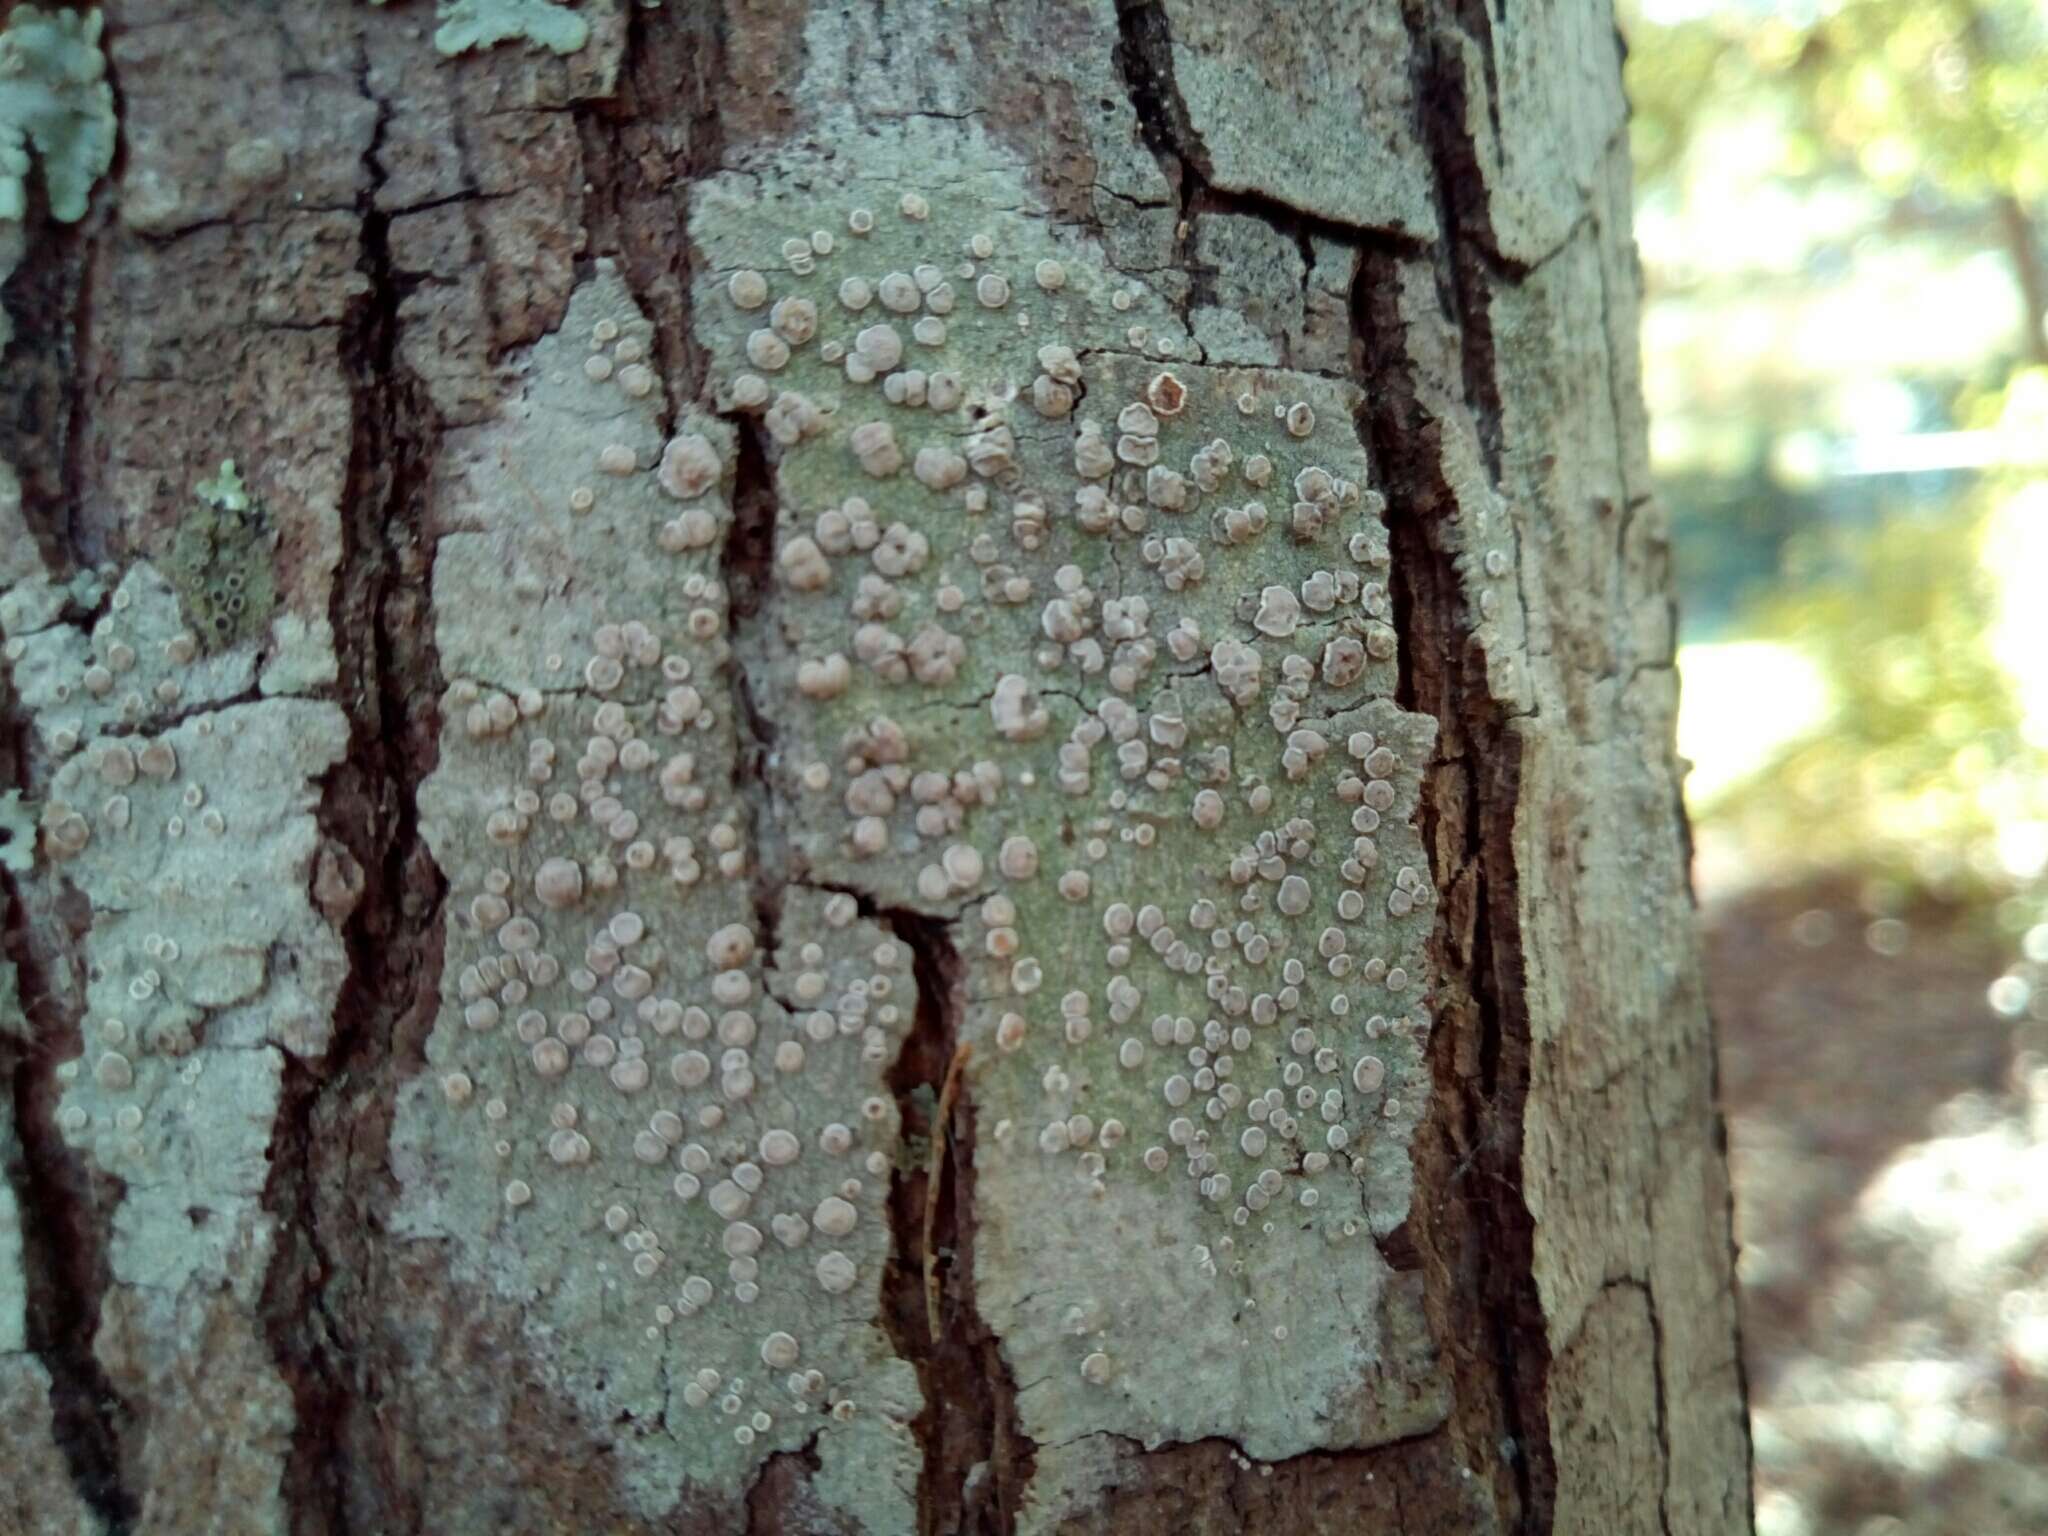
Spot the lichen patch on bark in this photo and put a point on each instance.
(1081, 644)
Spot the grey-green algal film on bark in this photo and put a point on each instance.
(1071, 641)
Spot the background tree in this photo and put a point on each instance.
(912, 774)
(1836, 209)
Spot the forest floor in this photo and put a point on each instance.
(1888, 1133)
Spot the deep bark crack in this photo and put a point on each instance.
(64, 1203)
(746, 569)
(389, 684)
(64, 1208)
(1465, 258)
(976, 1459)
(1471, 1221)
(48, 296)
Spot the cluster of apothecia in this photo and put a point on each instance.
(1164, 588)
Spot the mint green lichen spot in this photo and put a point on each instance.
(54, 97)
(18, 827)
(225, 490)
(472, 24)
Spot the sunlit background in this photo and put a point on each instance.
(1842, 210)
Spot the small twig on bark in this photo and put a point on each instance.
(935, 1182)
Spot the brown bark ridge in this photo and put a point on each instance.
(919, 779)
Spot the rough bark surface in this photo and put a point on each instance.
(918, 780)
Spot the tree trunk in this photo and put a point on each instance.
(1066, 600)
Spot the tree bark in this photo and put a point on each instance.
(919, 779)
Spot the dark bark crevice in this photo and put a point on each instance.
(1143, 60)
(376, 878)
(776, 1497)
(643, 149)
(65, 1208)
(747, 571)
(1470, 1223)
(1143, 57)
(977, 1460)
(42, 385)
(1466, 259)
(64, 1203)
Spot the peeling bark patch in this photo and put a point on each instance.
(1077, 645)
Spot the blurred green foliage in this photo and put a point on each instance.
(1922, 759)
(1950, 95)
(1839, 206)
(1839, 137)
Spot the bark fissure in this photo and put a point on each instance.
(975, 1458)
(777, 1482)
(42, 387)
(965, 1486)
(64, 1208)
(1143, 58)
(388, 683)
(64, 1204)
(1466, 259)
(1471, 1221)
(644, 149)
(1649, 1292)
(746, 568)
(950, 1372)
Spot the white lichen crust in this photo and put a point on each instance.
(1087, 645)
(670, 1144)
(186, 823)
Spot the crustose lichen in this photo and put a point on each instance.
(219, 562)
